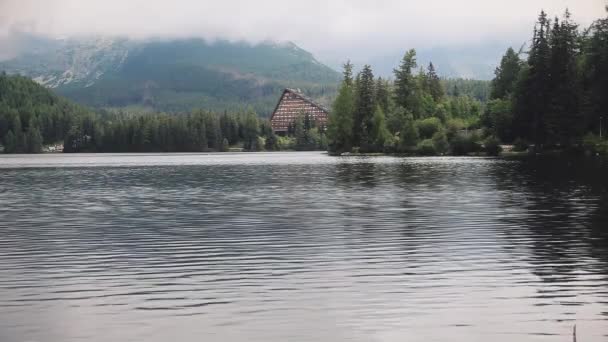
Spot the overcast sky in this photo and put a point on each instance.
(328, 28)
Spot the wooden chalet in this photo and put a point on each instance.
(292, 104)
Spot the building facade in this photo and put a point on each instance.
(291, 104)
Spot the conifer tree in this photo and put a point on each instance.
(379, 132)
(434, 85)
(595, 79)
(564, 123)
(34, 140)
(534, 89)
(506, 75)
(404, 80)
(382, 94)
(364, 107)
(340, 121)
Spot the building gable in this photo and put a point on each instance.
(290, 105)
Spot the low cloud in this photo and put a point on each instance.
(329, 28)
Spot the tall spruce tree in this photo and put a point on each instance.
(379, 132)
(564, 123)
(506, 75)
(533, 93)
(340, 123)
(595, 79)
(382, 94)
(364, 107)
(434, 85)
(404, 80)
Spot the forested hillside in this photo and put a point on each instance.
(173, 75)
(31, 116)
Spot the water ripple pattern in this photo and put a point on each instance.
(301, 247)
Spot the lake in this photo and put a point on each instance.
(301, 247)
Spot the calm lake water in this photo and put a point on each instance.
(301, 247)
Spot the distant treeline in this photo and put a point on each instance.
(31, 116)
(553, 98)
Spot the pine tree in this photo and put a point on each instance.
(434, 85)
(408, 137)
(595, 77)
(404, 81)
(382, 94)
(34, 140)
(564, 124)
(348, 74)
(10, 142)
(340, 122)
(533, 91)
(364, 107)
(379, 132)
(506, 75)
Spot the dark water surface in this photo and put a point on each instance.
(301, 247)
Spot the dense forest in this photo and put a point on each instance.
(31, 117)
(551, 97)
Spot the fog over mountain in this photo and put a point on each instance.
(375, 32)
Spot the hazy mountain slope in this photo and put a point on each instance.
(173, 75)
(473, 61)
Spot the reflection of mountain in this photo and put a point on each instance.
(171, 74)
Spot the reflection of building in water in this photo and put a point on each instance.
(292, 104)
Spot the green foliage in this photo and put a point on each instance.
(380, 134)
(440, 142)
(408, 135)
(307, 137)
(498, 118)
(476, 89)
(433, 83)
(34, 116)
(364, 108)
(492, 146)
(286, 143)
(340, 123)
(463, 144)
(506, 75)
(404, 80)
(426, 148)
(428, 127)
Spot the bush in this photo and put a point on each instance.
(520, 145)
(426, 148)
(271, 143)
(428, 127)
(453, 127)
(285, 143)
(408, 137)
(440, 142)
(463, 144)
(492, 146)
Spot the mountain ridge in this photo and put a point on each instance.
(172, 75)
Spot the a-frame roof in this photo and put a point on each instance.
(300, 96)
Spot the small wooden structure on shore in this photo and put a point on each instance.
(291, 104)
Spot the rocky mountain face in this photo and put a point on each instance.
(171, 75)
